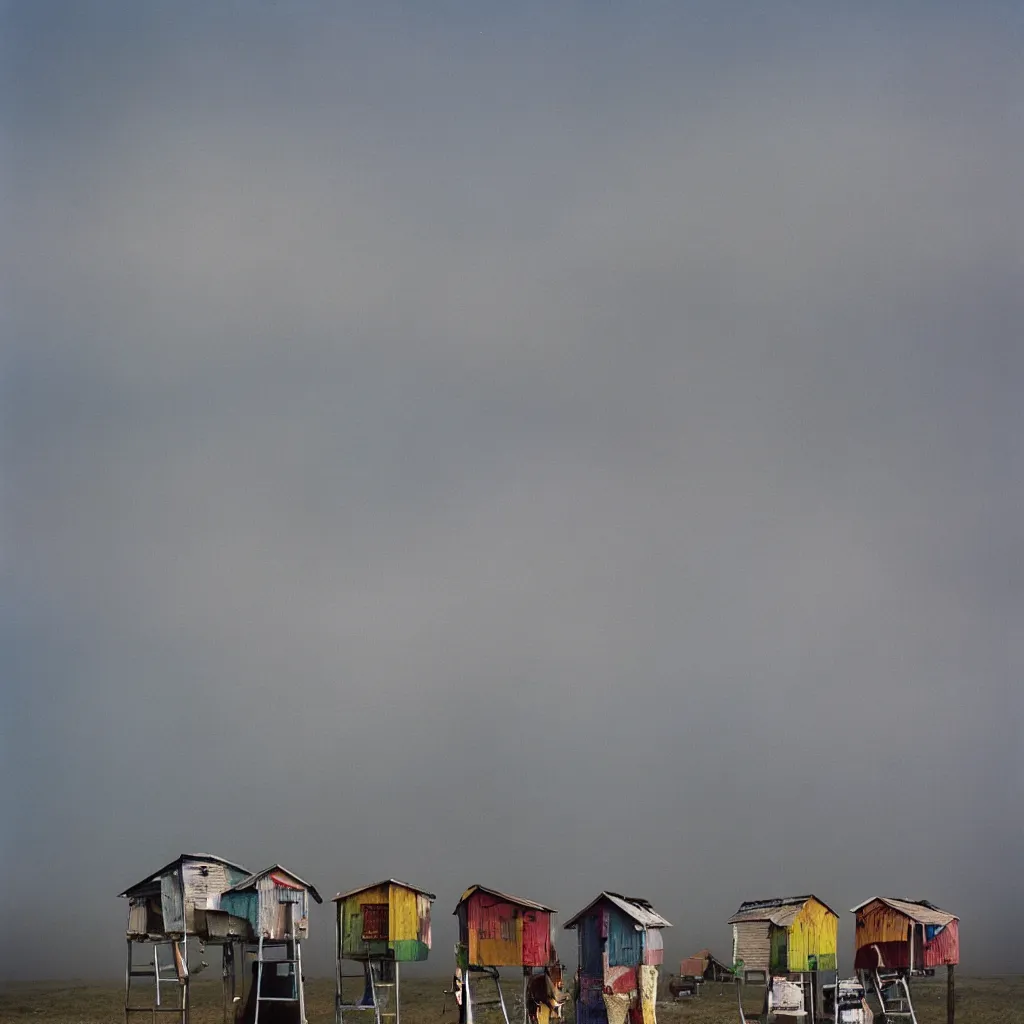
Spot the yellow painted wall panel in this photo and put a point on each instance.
(498, 952)
(403, 920)
(814, 932)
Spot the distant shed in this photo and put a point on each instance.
(788, 935)
(388, 920)
(705, 966)
(910, 934)
(500, 930)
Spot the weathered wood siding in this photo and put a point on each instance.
(283, 909)
(408, 924)
(495, 932)
(201, 879)
(752, 945)
(813, 933)
(172, 904)
(350, 923)
(536, 938)
(654, 947)
(878, 922)
(943, 948)
(625, 943)
(884, 936)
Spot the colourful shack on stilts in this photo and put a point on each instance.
(620, 949)
(498, 930)
(379, 926)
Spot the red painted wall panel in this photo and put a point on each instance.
(944, 948)
(536, 938)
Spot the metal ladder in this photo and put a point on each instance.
(897, 1007)
(298, 996)
(468, 1002)
(384, 995)
(146, 971)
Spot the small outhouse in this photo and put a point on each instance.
(619, 939)
(380, 926)
(388, 920)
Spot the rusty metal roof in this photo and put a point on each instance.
(694, 966)
(704, 957)
(640, 910)
(504, 897)
(149, 879)
(377, 885)
(250, 882)
(781, 912)
(920, 911)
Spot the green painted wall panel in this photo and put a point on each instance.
(408, 950)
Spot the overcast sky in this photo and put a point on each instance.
(560, 447)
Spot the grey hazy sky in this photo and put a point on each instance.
(562, 449)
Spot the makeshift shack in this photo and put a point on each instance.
(789, 935)
(498, 930)
(379, 926)
(166, 910)
(911, 934)
(619, 941)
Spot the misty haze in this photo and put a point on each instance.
(559, 450)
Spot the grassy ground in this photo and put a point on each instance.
(979, 1001)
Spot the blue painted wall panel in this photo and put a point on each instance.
(590, 946)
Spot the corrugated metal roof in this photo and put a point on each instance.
(149, 879)
(377, 885)
(782, 917)
(920, 911)
(781, 912)
(250, 882)
(640, 910)
(504, 897)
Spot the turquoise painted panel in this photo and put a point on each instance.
(243, 904)
(625, 943)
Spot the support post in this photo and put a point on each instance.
(950, 995)
(297, 967)
(224, 955)
(337, 964)
(186, 998)
(128, 982)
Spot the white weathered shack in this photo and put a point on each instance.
(165, 910)
(211, 901)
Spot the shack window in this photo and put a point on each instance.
(375, 921)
